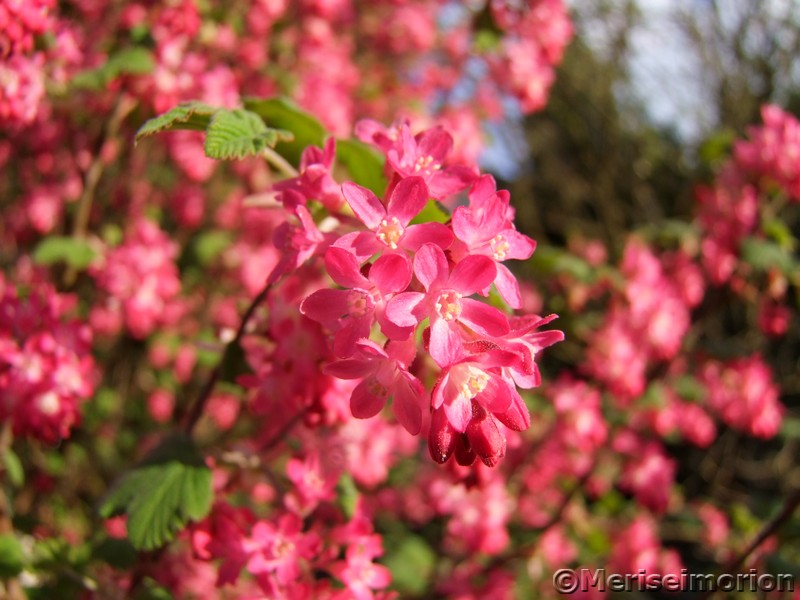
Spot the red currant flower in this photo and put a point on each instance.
(452, 315)
(389, 226)
(385, 374)
(354, 310)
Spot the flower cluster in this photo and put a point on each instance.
(46, 366)
(141, 283)
(402, 280)
(773, 150)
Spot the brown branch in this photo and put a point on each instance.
(770, 528)
(196, 410)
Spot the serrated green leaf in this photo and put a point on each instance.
(130, 61)
(364, 165)
(234, 134)
(764, 255)
(169, 488)
(284, 114)
(13, 467)
(75, 252)
(12, 558)
(188, 115)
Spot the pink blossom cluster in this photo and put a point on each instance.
(22, 81)
(140, 282)
(281, 554)
(647, 322)
(742, 391)
(773, 150)
(46, 367)
(394, 275)
(728, 211)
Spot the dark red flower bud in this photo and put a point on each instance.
(465, 455)
(442, 437)
(485, 437)
(517, 417)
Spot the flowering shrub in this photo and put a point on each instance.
(280, 350)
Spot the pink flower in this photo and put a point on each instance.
(354, 310)
(389, 227)
(315, 181)
(424, 155)
(452, 316)
(385, 374)
(485, 228)
(280, 548)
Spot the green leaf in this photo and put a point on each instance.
(689, 388)
(188, 115)
(13, 467)
(169, 488)
(120, 554)
(347, 495)
(12, 558)
(130, 61)
(780, 232)
(411, 562)
(552, 261)
(790, 428)
(284, 114)
(234, 134)
(76, 252)
(210, 245)
(364, 165)
(432, 213)
(717, 146)
(764, 255)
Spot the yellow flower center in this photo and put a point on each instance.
(448, 305)
(390, 231)
(500, 247)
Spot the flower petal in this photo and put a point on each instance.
(363, 244)
(401, 309)
(449, 181)
(430, 266)
(343, 267)
(445, 345)
(472, 274)
(344, 343)
(364, 203)
(363, 403)
(325, 306)
(350, 368)
(459, 413)
(508, 287)
(520, 245)
(407, 402)
(408, 198)
(426, 233)
(484, 319)
(391, 273)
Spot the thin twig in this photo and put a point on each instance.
(80, 226)
(196, 411)
(770, 528)
(280, 163)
